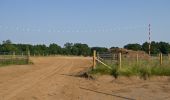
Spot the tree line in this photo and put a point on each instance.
(77, 49)
(156, 47)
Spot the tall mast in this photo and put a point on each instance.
(149, 39)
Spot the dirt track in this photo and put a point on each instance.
(52, 78)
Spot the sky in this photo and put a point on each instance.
(104, 23)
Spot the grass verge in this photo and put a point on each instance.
(14, 62)
(144, 71)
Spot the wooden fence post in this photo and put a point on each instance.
(120, 60)
(94, 59)
(28, 55)
(97, 55)
(137, 58)
(160, 58)
(13, 55)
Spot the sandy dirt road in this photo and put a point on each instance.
(53, 78)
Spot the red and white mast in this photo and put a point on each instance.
(149, 39)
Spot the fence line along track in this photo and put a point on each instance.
(121, 59)
(7, 58)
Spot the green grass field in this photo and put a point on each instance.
(11, 60)
(143, 68)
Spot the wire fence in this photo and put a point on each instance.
(7, 58)
(125, 60)
(107, 57)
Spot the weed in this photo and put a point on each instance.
(143, 69)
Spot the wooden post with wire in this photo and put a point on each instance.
(160, 58)
(28, 56)
(94, 59)
(137, 58)
(120, 60)
(13, 55)
(22, 54)
(97, 55)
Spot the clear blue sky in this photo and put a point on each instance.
(94, 22)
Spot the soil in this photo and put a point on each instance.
(55, 78)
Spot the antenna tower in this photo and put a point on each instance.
(149, 39)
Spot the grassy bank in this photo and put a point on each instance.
(143, 69)
(13, 60)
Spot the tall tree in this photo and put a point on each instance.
(67, 48)
(134, 47)
(83, 49)
(55, 49)
(99, 49)
(164, 47)
(7, 46)
(155, 47)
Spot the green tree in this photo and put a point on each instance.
(164, 47)
(7, 42)
(134, 47)
(67, 48)
(114, 47)
(40, 49)
(55, 49)
(75, 50)
(145, 47)
(7, 46)
(99, 49)
(155, 47)
(83, 49)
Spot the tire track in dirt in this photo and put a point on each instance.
(27, 81)
(46, 80)
(75, 82)
(71, 89)
(52, 78)
(59, 86)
